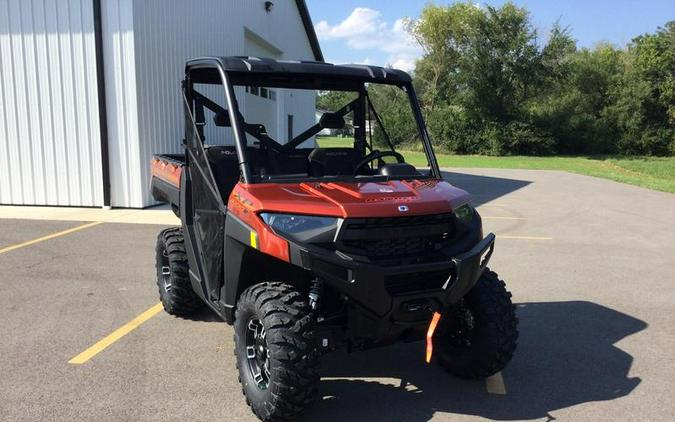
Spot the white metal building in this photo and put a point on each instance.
(90, 89)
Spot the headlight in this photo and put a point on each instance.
(303, 228)
(464, 214)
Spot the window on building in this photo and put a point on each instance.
(263, 92)
(290, 127)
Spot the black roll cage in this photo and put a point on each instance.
(218, 72)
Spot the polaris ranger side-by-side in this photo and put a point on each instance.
(306, 249)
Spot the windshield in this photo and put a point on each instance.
(305, 134)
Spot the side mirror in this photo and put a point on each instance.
(331, 121)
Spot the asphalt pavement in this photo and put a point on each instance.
(589, 262)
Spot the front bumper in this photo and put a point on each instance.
(368, 285)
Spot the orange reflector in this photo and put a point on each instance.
(430, 334)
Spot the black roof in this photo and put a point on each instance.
(285, 73)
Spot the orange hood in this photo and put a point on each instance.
(341, 199)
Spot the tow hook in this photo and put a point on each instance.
(417, 306)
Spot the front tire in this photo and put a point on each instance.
(173, 282)
(275, 351)
(479, 336)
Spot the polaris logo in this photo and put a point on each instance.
(403, 208)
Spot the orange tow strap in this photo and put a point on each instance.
(430, 334)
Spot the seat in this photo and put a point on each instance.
(333, 161)
(225, 166)
(289, 162)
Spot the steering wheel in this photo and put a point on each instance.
(377, 155)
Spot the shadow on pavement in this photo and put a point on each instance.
(566, 356)
(484, 188)
(204, 315)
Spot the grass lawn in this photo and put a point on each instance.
(650, 172)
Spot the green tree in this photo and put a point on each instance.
(334, 100)
(481, 67)
(488, 84)
(443, 33)
(393, 107)
(645, 106)
(575, 105)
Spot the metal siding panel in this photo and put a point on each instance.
(59, 126)
(47, 154)
(69, 112)
(114, 104)
(121, 103)
(92, 114)
(17, 167)
(7, 186)
(46, 134)
(31, 117)
(80, 95)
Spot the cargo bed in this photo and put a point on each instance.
(166, 175)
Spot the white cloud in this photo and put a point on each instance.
(402, 63)
(362, 21)
(364, 29)
(366, 61)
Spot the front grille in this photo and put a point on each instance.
(396, 237)
(399, 284)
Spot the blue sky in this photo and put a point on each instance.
(369, 31)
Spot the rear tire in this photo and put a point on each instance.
(479, 338)
(275, 351)
(173, 282)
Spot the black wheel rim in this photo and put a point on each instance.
(257, 353)
(165, 271)
(462, 330)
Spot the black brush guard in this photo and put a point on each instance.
(379, 314)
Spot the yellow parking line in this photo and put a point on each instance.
(50, 236)
(116, 335)
(495, 384)
(504, 236)
(489, 217)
